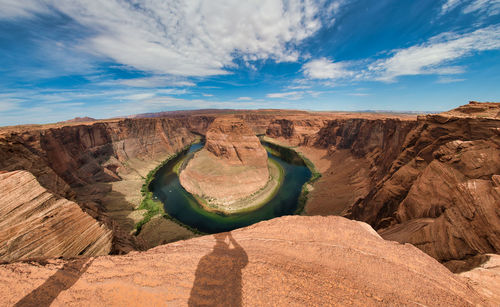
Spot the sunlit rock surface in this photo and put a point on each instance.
(288, 261)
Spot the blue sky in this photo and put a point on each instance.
(60, 59)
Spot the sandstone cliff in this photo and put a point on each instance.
(288, 261)
(441, 193)
(352, 154)
(232, 165)
(99, 165)
(432, 182)
(36, 224)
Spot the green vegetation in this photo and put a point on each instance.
(315, 175)
(155, 207)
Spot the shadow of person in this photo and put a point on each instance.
(62, 280)
(218, 275)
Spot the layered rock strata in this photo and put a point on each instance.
(432, 182)
(35, 223)
(232, 165)
(101, 166)
(442, 192)
(289, 261)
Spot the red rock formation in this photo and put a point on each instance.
(77, 161)
(35, 223)
(440, 193)
(233, 141)
(289, 261)
(431, 182)
(232, 165)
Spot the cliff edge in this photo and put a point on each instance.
(288, 261)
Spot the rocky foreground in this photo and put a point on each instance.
(289, 261)
(35, 223)
(233, 165)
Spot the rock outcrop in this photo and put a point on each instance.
(232, 165)
(35, 223)
(288, 261)
(352, 154)
(485, 278)
(433, 182)
(441, 193)
(99, 165)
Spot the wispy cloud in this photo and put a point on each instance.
(359, 94)
(436, 56)
(244, 98)
(193, 38)
(289, 95)
(294, 95)
(488, 7)
(449, 5)
(445, 80)
(155, 81)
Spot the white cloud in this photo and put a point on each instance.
(437, 56)
(432, 57)
(449, 5)
(445, 80)
(185, 38)
(8, 105)
(140, 96)
(21, 8)
(207, 95)
(156, 81)
(325, 69)
(488, 7)
(359, 94)
(290, 95)
(244, 98)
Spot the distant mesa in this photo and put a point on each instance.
(232, 167)
(80, 120)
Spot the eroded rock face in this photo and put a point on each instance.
(288, 261)
(231, 140)
(440, 193)
(83, 163)
(37, 224)
(433, 182)
(232, 165)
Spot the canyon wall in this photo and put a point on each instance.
(352, 154)
(433, 182)
(442, 193)
(82, 162)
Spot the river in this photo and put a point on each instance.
(181, 205)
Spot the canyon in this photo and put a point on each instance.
(430, 182)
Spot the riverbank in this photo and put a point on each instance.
(280, 150)
(157, 226)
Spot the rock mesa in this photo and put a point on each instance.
(232, 165)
